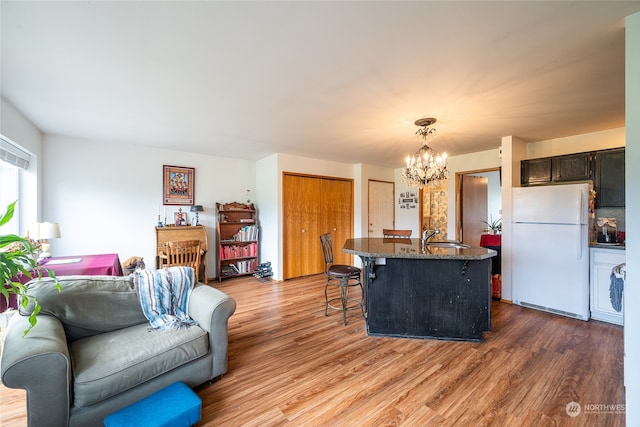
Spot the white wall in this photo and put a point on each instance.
(513, 151)
(632, 284)
(611, 138)
(106, 197)
(268, 202)
(406, 219)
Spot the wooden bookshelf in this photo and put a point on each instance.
(237, 239)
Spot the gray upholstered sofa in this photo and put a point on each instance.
(91, 354)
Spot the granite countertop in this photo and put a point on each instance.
(618, 246)
(377, 247)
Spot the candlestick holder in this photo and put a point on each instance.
(160, 224)
(197, 209)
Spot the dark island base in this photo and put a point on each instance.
(439, 299)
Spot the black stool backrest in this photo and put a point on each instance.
(327, 250)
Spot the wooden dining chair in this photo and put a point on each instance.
(184, 253)
(386, 232)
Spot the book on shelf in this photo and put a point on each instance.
(239, 251)
(240, 267)
(246, 266)
(247, 233)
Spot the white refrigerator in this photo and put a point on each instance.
(550, 256)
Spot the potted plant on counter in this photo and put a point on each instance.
(493, 226)
(18, 257)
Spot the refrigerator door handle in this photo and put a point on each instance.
(579, 219)
(580, 242)
(582, 210)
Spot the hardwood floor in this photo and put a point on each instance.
(289, 365)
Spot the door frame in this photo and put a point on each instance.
(458, 190)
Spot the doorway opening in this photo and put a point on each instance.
(433, 210)
(478, 203)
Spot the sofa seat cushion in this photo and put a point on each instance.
(108, 364)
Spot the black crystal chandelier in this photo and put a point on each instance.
(426, 166)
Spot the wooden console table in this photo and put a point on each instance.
(177, 233)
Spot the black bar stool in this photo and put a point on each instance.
(342, 276)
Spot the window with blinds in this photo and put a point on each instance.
(11, 153)
(12, 157)
(8, 195)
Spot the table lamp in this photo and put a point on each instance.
(44, 232)
(197, 209)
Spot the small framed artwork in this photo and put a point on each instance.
(180, 218)
(408, 200)
(178, 185)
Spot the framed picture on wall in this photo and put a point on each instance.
(178, 185)
(408, 200)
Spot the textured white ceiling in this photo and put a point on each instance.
(331, 80)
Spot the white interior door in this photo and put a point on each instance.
(381, 209)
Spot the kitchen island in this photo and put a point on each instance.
(440, 290)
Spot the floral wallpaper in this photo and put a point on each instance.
(435, 210)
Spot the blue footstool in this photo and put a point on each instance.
(173, 406)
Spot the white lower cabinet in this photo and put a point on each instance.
(602, 262)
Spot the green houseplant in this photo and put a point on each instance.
(495, 226)
(18, 256)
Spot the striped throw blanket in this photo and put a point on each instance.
(164, 295)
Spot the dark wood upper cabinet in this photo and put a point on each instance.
(605, 168)
(535, 171)
(572, 167)
(609, 179)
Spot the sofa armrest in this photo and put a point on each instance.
(39, 363)
(211, 308)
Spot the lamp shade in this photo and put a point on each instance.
(197, 208)
(47, 230)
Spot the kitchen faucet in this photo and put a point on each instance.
(427, 234)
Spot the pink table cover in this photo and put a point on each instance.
(89, 265)
(490, 240)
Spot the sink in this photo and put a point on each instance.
(455, 245)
